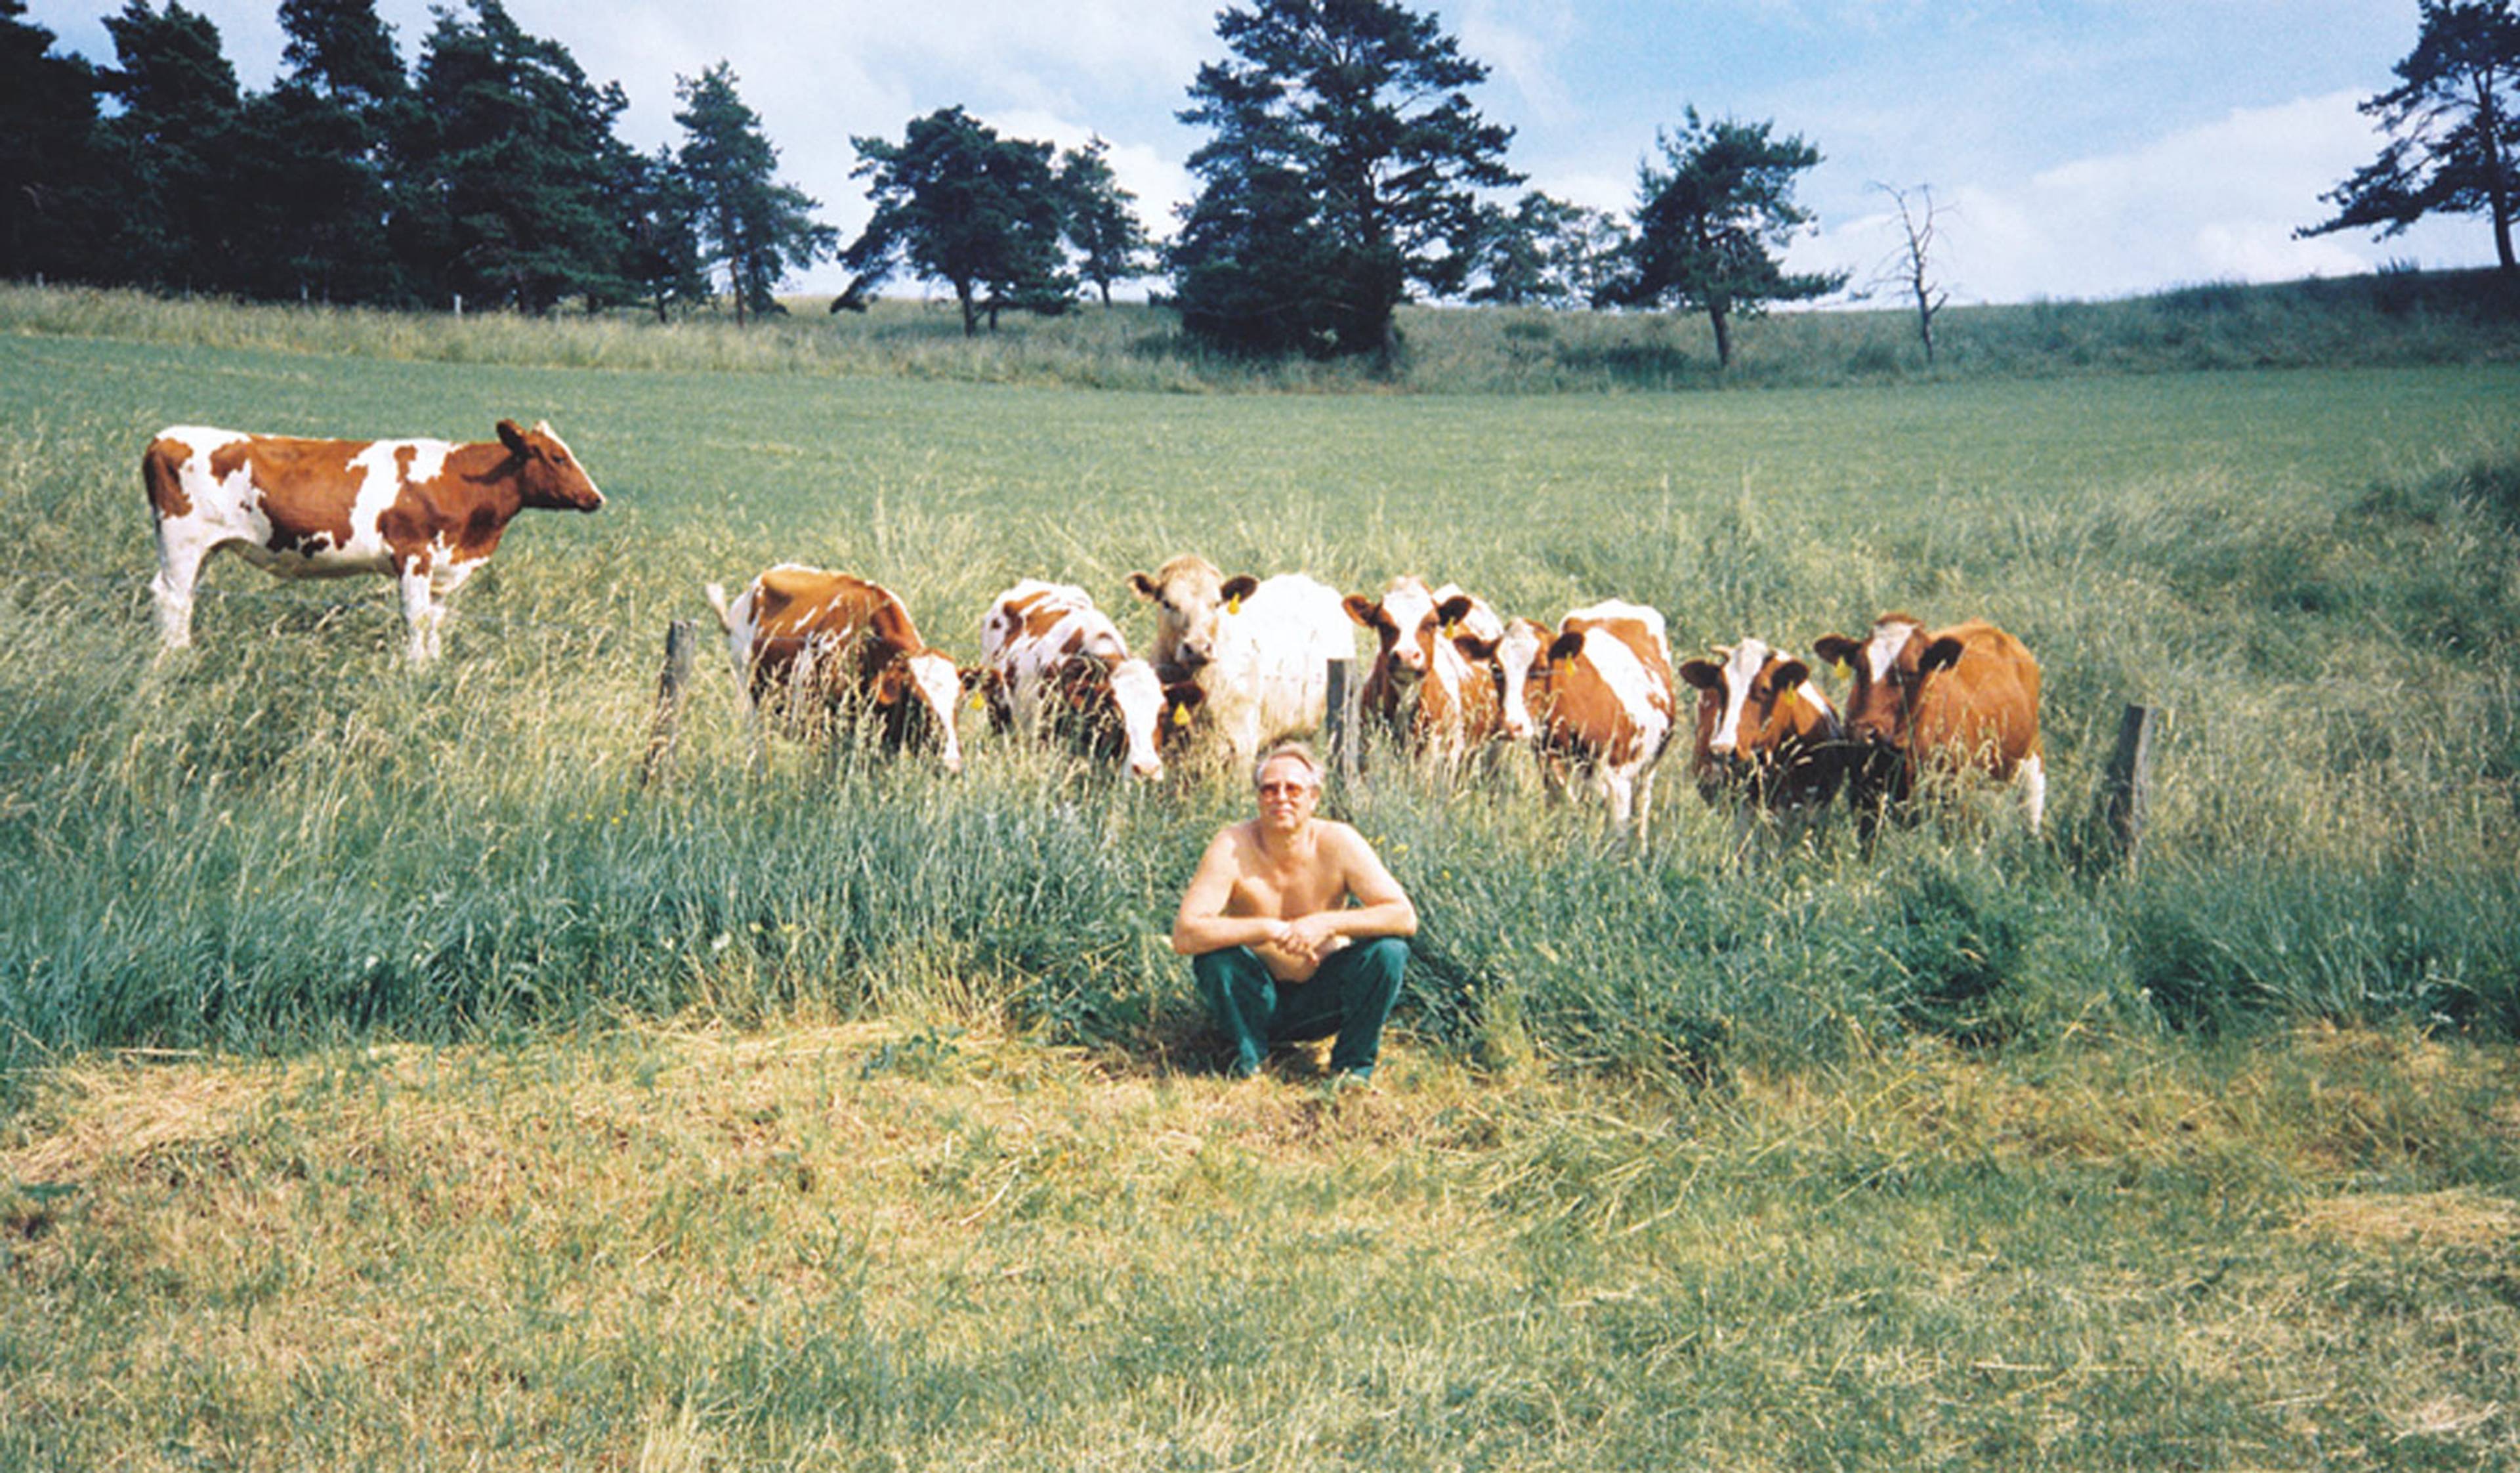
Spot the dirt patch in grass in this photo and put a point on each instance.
(2460, 1218)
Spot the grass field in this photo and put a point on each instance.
(391, 1078)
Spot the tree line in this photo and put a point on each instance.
(1345, 170)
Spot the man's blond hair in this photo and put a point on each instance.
(1301, 752)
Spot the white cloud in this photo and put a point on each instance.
(2215, 202)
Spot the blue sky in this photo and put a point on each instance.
(2075, 148)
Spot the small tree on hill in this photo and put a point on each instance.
(1707, 219)
(2455, 125)
(956, 203)
(1102, 226)
(751, 224)
(1911, 267)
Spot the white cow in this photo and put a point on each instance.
(1260, 652)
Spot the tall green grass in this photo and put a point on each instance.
(2395, 319)
(284, 836)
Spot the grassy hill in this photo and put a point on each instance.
(387, 1077)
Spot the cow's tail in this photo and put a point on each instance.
(717, 600)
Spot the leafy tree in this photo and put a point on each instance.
(170, 149)
(1707, 219)
(751, 223)
(2455, 125)
(1111, 244)
(1341, 172)
(956, 203)
(1545, 252)
(51, 214)
(511, 168)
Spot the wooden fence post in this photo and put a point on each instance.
(668, 725)
(1338, 723)
(2126, 792)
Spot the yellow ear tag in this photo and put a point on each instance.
(1451, 630)
(1565, 664)
(1234, 605)
(1180, 715)
(1842, 672)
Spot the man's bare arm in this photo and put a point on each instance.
(1201, 925)
(1382, 909)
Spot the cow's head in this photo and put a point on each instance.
(1404, 621)
(1138, 704)
(548, 476)
(1192, 599)
(916, 696)
(1517, 660)
(1885, 672)
(1743, 699)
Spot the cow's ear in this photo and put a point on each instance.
(512, 436)
(1705, 674)
(892, 685)
(1836, 649)
(1566, 646)
(1365, 611)
(1790, 674)
(1477, 650)
(1236, 589)
(979, 677)
(1147, 588)
(1452, 611)
(1181, 696)
(1941, 655)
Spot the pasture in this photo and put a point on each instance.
(1970, 1153)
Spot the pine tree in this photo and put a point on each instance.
(1111, 244)
(512, 169)
(1708, 219)
(956, 203)
(51, 219)
(1340, 175)
(2454, 120)
(171, 151)
(751, 223)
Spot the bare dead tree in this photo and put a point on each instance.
(1910, 268)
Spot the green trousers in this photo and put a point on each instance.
(1350, 997)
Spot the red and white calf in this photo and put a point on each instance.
(1595, 696)
(1429, 686)
(1259, 652)
(1765, 733)
(426, 512)
(810, 645)
(1054, 664)
(1923, 705)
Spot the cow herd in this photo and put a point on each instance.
(1234, 663)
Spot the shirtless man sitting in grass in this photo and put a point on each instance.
(1277, 949)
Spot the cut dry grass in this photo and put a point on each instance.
(878, 1246)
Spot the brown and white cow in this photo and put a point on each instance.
(1765, 734)
(1922, 704)
(1428, 686)
(811, 645)
(1053, 664)
(1260, 652)
(427, 512)
(1595, 696)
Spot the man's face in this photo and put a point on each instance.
(1286, 792)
